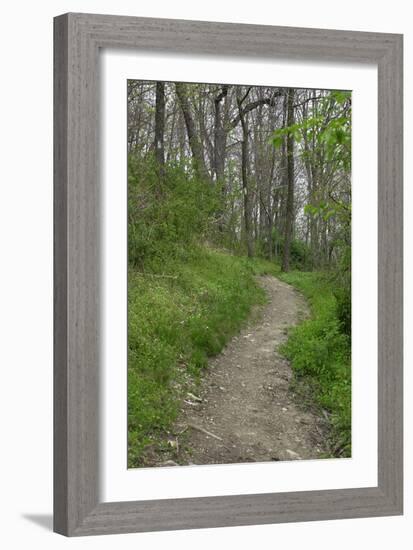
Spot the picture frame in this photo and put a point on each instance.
(78, 39)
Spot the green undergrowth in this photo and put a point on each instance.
(320, 354)
(180, 313)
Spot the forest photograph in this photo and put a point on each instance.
(239, 273)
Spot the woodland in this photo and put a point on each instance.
(227, 183)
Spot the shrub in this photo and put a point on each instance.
(343, 298)
(168, 214)
(320, 352)
(300, 253)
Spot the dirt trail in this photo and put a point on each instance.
(244, 410)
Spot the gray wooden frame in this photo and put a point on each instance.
(78, 39)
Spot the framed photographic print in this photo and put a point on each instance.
(228, 274)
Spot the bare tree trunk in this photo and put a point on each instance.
(194, 142)
(220, 142)
(182, 135)
(270, 216)
(160, 132)
(289, 218)
(244, 176)
(170, 147)
(160, 123)
(220, 137)
(315, 182)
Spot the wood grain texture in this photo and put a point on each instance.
(76, 462)
(60, 277)
(390, 273)
(78, 38)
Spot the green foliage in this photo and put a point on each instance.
(300, 253)
(337, 138)
(329, 127)
(320, 353)
(340, 96)
(324, 210)
(296, 130)
(174, 325)
(343, 299)
(168, 214)
(342, 291)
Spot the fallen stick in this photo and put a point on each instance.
(194, 397)
(195, 427)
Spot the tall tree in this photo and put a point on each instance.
(243, 117)
(220, 136)
(289, 214)
(193, 139)
(160, 130)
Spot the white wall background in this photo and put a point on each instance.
(26, 272)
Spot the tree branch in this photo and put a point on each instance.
(253, 105)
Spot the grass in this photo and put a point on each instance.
(180, 313)
(321, 356)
